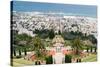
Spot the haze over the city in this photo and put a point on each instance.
(66, 9)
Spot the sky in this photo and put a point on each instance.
(68, 9)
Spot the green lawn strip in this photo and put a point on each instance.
(15, 64)
(93, 59)
(22, 61)
(89, 58)
(18, 64)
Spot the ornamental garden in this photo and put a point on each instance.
(47, 47)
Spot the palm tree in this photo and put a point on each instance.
(38, 47)
(77, 45)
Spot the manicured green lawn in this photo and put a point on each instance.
(21, 62)
(90, 58)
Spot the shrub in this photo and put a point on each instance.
(37, 63)
(78, 60)
(49, 60)
(68, 58)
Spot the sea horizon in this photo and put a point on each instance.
(62, 9)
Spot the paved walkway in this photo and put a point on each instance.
(58, 58)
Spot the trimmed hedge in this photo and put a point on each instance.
(68, 58)
(49, 60)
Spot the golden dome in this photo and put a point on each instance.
(58, 39)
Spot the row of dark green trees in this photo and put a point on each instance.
(45, 33)
(23, 43)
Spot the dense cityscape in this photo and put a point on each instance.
(27, 22)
